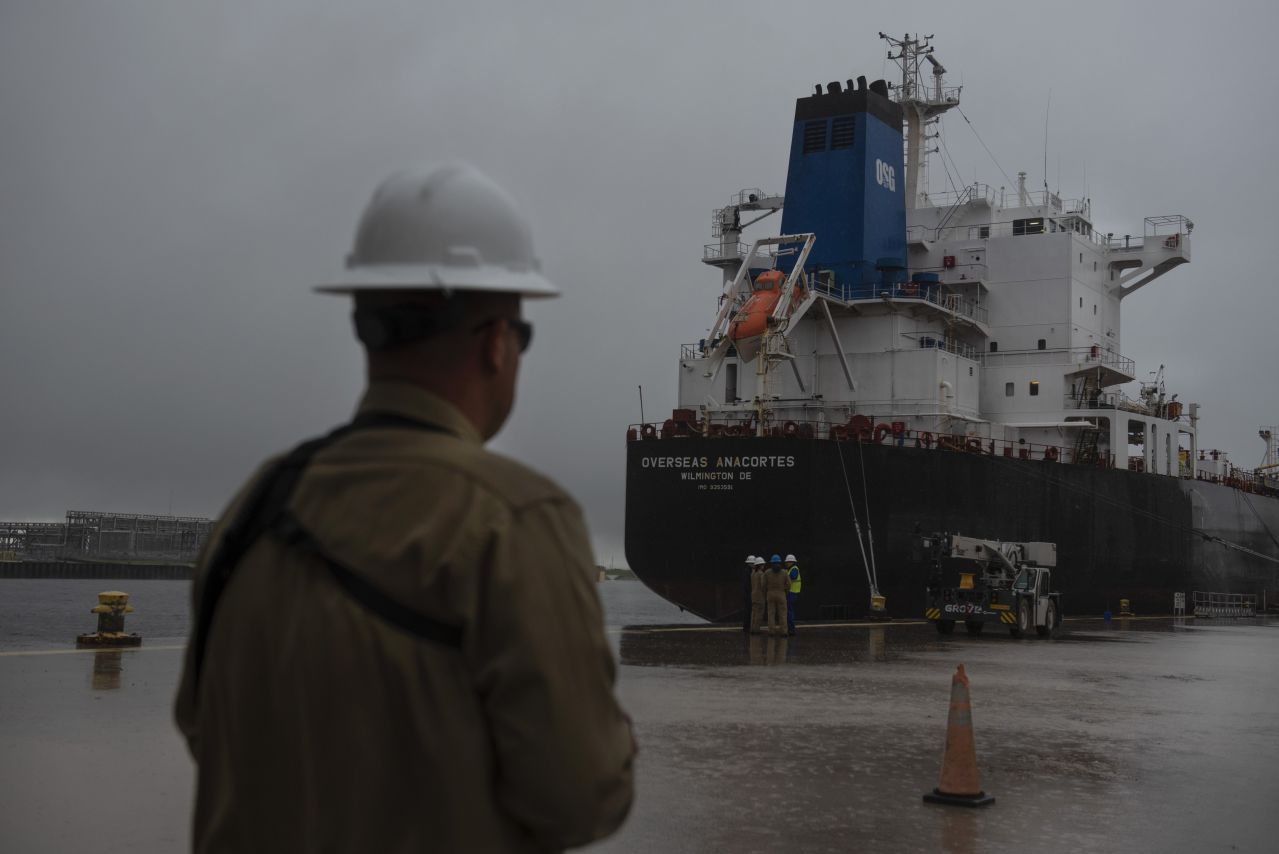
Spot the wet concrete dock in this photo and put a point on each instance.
(1144, 735)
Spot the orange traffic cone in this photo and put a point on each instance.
(958, 784)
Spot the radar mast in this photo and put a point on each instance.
(922, 104)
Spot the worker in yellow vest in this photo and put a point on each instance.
(792, 592)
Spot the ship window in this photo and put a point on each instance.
(1081, 257)
(1008, 389)
(841, 132)
(814, 136)
(1034, 388)
(1043, 345)
(970, 370)
(730, 383)
(984, 231)
(1081, 302)
(1027, 226)
(1094, 308)
(994, 346)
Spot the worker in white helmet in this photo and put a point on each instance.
(398, 643)
(746, 592)
(794, 584)
(757, 595)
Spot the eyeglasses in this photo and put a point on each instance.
(523, 329)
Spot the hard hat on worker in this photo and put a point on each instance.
(750, 559)
(759, 561)
(776, 559)
(790, 558)
(449, 229)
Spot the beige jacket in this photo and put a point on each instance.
(320, 727)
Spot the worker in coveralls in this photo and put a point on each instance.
(407, 651)
(747, 571)
(792, 592)
(757, 594)
(775, 584)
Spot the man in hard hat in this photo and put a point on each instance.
(398, 644)
(795, 584)
(775, 584)
(757, 594)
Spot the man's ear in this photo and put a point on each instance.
(493, 346)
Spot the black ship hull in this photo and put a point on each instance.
(696, 507)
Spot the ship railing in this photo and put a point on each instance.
(935, 294)
(1092, 400)
(861, 429)
(1083, 356)
(1208, 604)
(959, 348)
(1245, 480)
(976, 192)
(715, 251)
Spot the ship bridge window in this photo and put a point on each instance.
(1043, 345)
(994, 346)
(1034, 388)
(1008, 389)
(814, 136)
(1027, 226)
(841, 132)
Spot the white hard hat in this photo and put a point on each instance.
(750, 558)
(759, 560)
(790, 558)
(448, 229)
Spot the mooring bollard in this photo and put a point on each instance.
(111, 608)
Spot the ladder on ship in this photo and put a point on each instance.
(1087, 451)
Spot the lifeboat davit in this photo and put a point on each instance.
(751, 321)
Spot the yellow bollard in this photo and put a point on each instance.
(111, 608)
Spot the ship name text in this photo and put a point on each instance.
(752, 462)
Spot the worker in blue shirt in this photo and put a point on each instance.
(792, 591)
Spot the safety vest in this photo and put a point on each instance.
(796, 579)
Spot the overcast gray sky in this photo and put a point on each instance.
(173, 179)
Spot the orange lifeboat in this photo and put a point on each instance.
(751, 321)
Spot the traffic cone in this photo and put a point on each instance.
(958, 784)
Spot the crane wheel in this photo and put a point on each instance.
(1050, 621)
(974, 627)
(1024, 622)
(945, 627)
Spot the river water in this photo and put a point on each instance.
(1143, 735)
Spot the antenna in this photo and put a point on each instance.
(1047, 110)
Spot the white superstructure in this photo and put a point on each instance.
(1011, 337)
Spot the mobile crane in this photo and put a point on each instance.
(988, 581)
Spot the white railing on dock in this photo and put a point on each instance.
(1224, 604)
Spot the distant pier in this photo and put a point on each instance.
(104, 571)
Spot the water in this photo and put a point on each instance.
(48, 614)
(1141, 735)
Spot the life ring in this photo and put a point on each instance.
(881, 431)
(790, 429)
(1051, 454)
(925, 440)
(648, 431)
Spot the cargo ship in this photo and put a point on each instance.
(896, 361)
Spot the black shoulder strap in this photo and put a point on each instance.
(266, 509)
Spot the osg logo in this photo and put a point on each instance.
(886, 176)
